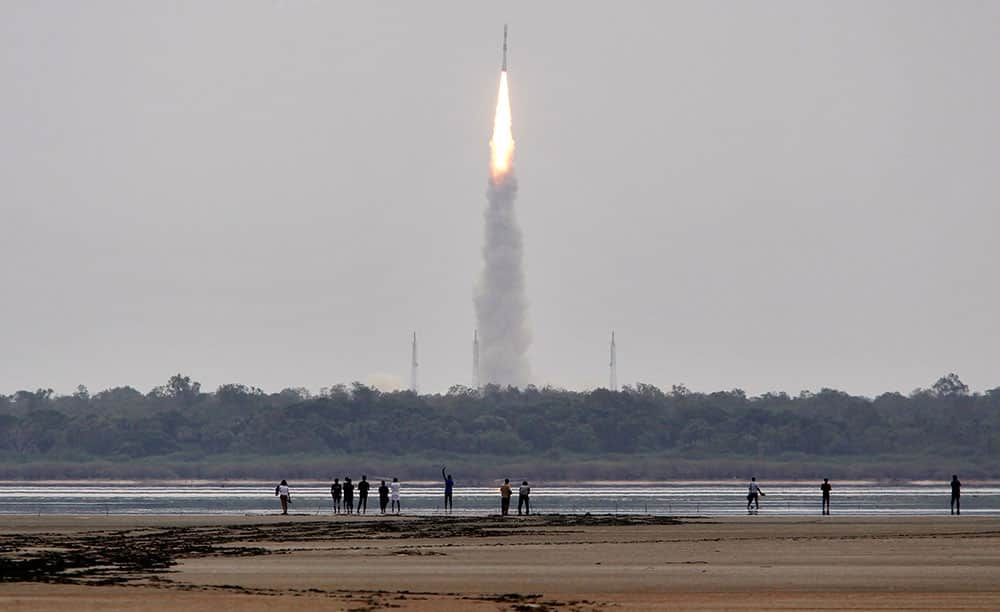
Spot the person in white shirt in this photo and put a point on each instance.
(522, 498)
(394, 495)
(282, 491)
(754, 494)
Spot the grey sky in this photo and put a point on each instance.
(773, 196)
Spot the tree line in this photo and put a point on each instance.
(178, 421)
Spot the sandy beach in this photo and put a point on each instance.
(536, 563)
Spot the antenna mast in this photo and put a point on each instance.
(613, 365)
(413, 365)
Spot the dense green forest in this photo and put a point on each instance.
(641, 432)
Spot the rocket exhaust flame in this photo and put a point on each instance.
(502, 142)
(501, 303)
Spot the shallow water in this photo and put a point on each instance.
(718, 499)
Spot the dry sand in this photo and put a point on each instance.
(548, 562)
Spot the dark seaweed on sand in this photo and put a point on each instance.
(143, 555)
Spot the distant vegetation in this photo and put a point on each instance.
(177, 430)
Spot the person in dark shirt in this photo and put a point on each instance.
(825, 488)
(363, 487)
(335, 492)
(348, 496)
(449, 487)
(956, 495)
(754, 494)
(383, 497)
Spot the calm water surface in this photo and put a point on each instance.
(716, 499)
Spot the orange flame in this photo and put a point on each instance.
(502, 142)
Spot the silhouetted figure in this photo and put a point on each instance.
(394, 495)
(363, 487)
(956, 495)
(449, 487)
(383, 497)
(522, 498)
(335, 492)
(505, 493)
(754, 494)
(825, 488)
(286, 497)
(348, 496)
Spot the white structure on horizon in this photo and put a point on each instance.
(413, 365)
(475, 360)
(613, 365)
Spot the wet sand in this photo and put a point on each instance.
(537, 563)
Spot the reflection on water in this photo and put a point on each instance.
(661, 499)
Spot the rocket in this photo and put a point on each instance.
(503, 66)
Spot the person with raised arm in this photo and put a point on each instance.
(449, 488)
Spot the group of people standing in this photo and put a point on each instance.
(754, 493)
(343, 496)
(523, 497)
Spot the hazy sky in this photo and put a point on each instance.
(767, 195)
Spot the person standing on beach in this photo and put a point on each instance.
(754, 494)
(383, 497)
(348, 496)
(394, 495)
(286, 497)
(363, 487)
(956, 495)
(505, 493)
(522, 498)
(449, 487)
(335, 492)
(825, 488)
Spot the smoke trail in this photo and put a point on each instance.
(501, 304)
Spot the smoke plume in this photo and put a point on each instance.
(501, 303)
